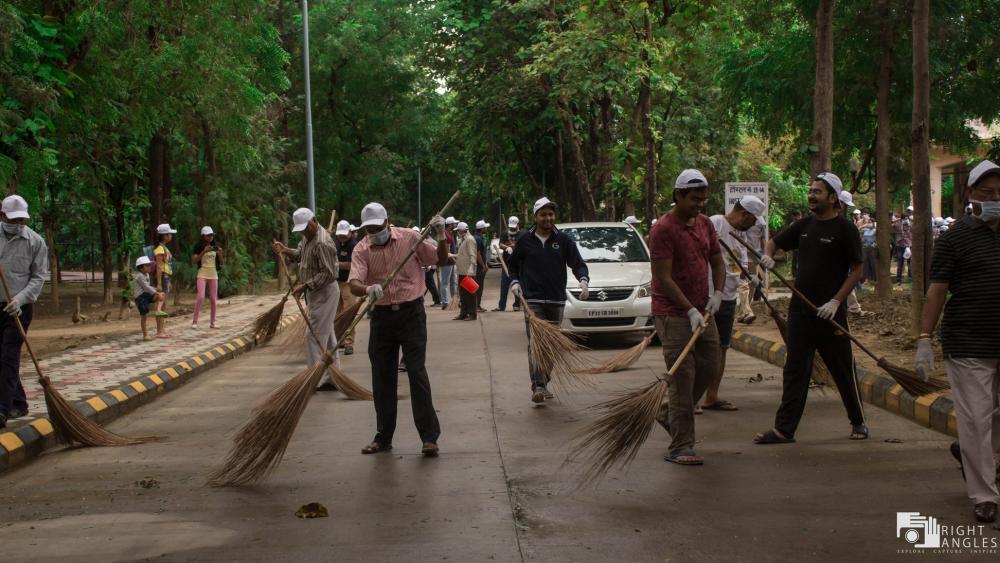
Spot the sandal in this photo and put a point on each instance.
(859, 432)
(684, 457)
(772, 437)
(376, 447)
(721, 405)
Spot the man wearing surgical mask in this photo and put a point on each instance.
(966, 264)
(398, 321)
(24, 260)
(316, 255)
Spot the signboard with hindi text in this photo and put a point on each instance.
(736, 190)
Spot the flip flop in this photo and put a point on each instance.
(679, 455)
(770, 437)
(859, 432)
(721, 405)
(375, 448)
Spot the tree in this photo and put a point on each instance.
(883, 147)
(920, 159)
(822, 136)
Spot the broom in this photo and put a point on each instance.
(292, 340)
(344, 384)
(624, 360)
(906, 378)
(551, 350)
(70, 425)
(262, 441)
(624, 423)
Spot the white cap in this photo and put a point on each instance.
(847, 198)
(513, 222)
(949, 220)
(142, 261)
(416, 229)
(831, 180)
(857, 211)
(451, 221)
(910, 208)
(462, 227)
(373, 214)
(753, 204)
(14, 207)
(938, 221)
(981, 169)
(163, 229)
(343, 228)
(354, 227)
(206, 230)
(543, 202)
(654, 222)
(631, 220)
(690, 178)
(301, 218)
(480, 224)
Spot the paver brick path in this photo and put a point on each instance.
(80, 373)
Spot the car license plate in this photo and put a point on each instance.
(604, 313)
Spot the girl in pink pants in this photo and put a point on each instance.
(208, 256)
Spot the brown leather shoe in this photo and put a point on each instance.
(986, 512)
(430, 449)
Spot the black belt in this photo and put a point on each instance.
(418, 302)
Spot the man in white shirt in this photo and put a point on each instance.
(745, 214)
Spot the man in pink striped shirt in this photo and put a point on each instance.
(398, 320)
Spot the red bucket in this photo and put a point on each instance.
(469, 284)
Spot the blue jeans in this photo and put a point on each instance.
(446, 289)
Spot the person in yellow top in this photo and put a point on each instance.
(208, 256)
(164, 260)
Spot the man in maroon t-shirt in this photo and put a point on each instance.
(683, 246)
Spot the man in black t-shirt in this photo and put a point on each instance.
(829, 256)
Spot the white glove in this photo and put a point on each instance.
(437, 226)
(766, 262)
(924, 361)
(13, 308)
(714, 303)
(515, 288)
(827, 311)
(509, 250)
(584, 290)
(696, 319)
(375, 292)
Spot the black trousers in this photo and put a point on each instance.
(481, 280)
(395, 327)
(11, 391)
(808, 334)
(432, 286)
(467, 300)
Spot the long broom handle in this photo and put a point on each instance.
(333, 217)
(687, 348)
(736, 261)
(520, 295)
(423, 235)
(20, 328)
(811, 304)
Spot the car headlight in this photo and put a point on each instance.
(646, 289)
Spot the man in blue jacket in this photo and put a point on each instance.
(538, 271)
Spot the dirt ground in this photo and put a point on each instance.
(53, 330)
(884, 328)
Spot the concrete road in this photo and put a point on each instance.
(499, 491)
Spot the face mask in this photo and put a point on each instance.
(990, 210)
(12, 228)
(380, 238)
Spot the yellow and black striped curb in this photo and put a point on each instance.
(935, 411)
(28, 441)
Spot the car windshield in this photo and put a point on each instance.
(608, 244)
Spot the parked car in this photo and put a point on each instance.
(620, 280)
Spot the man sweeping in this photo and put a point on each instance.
(345, 248)
(966, 264)
(685, 251)
(399, 320)
(466, 265)
(482, 240)
(316, 255)
(756, 235)
(538, 272)
(744, 215)
(24, 259)
(829, 267)
(507, 240)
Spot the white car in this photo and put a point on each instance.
(620, 280)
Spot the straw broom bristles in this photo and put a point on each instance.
(266, 325)
(351, 389)
(261, 443)
(624, 425)
(343, 322)
(292, 340)
(624, 360)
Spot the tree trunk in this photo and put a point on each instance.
(883, 147)
(586, 197)
(646, 123)
(560, 168)
(157, 155)
(50, 221)
(920, 159)
(527, 169)
(822, 135)
(107, 261)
